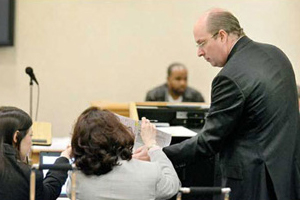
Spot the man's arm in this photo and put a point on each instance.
(157, 94)
(224, 113)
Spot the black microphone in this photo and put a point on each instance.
(29, 71)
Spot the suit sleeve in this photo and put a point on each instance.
(168, 182)
(222, 119)
(53, 182)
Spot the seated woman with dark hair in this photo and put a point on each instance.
(15, 145)
(102, 149)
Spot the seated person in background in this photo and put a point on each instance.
(176, 89)
(102, 150)
(15, 145)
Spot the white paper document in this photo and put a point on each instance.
(163, 139)
(178, 131)
(58, 144)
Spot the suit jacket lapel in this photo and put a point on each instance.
(239, 45)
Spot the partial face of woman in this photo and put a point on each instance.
(25, 145)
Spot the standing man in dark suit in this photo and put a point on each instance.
(253, 120)
(176, 89)
(298, 89)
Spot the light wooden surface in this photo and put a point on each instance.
(133, 114)
(119, 108)
(42, 133)
(159, 103)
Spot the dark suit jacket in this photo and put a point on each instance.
(160, 94)
(15, 179)
(253, 123)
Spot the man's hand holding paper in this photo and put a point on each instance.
(162, 139)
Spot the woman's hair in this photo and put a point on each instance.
(99, 139)
(12, 119)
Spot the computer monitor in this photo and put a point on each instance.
(7, 9)
(47, 157)
(190, 116)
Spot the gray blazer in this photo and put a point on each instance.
(253, 122)
(132, 180)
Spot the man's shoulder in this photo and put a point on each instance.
(249, 56)
(193, 95)
(157, 93)
(192, 90)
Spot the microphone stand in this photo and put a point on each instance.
(30, 97)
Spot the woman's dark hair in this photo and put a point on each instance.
(99, 139)
(12, 119)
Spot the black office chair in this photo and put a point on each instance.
(202, 191)
(53, 167)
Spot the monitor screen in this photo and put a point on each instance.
(7, 8)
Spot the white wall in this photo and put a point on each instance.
(116, 50)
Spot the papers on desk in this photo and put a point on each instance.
(192, 106)
(161, 124)
(58, 144)
(178, 131)
(163, 139)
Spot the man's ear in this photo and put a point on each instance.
(15, 137)
(223, 35)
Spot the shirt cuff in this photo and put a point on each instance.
(154, 148)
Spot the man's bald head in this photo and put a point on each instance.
(216, 32)
(218, 18)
